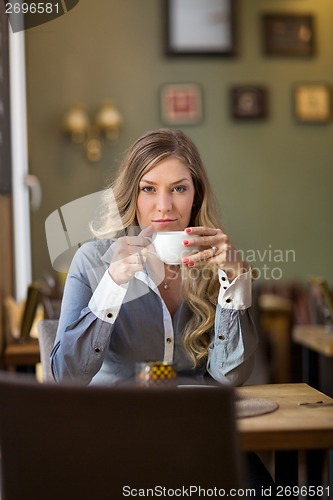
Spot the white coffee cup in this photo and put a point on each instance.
(169, 246)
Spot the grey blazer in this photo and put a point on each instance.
(93, 348)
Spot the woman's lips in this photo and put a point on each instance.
(164, 222)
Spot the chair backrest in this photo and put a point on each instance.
(75, 442)
(47, 330)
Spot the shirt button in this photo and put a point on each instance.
(223, 278)
(228, 300)
(97, 349)
(169, 340)
(109, 315)
(221, 337)
(225, 287)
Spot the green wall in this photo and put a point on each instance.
(273, 178)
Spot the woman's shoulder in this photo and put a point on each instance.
(90, 262)
(95, 246)
(93, 252)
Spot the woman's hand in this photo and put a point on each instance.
(129, 256)
(217, 248)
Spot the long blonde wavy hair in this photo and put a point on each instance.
(118, 215)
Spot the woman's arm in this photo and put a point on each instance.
(234, 341)
(94, 292)
(81, 343)
(86, 321)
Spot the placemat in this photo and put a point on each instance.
(248, 406)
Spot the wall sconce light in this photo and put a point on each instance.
(104, 128)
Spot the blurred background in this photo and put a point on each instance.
(273, 177)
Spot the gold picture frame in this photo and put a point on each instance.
(312, 102)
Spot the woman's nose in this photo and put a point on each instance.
(163, 202)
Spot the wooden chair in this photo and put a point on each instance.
(18, 350)
(47, 331)
(73, 442)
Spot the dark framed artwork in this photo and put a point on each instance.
(288, 34)
(249, 102)
(312, 102)
(181, 104)
(200, 27)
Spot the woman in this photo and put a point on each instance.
(121, 305)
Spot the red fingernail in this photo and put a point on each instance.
(185, 260)
(190, 264)
(188, 229)
(185, 242)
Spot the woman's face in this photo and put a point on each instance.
(166, 195)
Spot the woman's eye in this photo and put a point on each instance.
(148, 189)
(180, 189)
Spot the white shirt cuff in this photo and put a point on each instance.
(238, 293)
(107, 299)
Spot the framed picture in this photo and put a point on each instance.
(181, 104)
(312, 102)
(249, 102)
(288, 34)
(200, 27)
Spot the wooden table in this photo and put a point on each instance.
(300, 423)
(315, 337)
(21, 354)
(315, 340)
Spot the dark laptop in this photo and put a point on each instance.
(116, 442)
